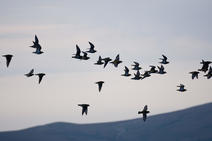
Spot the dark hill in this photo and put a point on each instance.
(192, 124)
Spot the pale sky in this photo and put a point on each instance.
(139, 30)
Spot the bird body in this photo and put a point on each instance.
(31, 73)
(205, 65)
(194, 74)
(144, 112)
(106, 60)
(8, 59)
(99, 61)
(37, 46)
(84, 108)
(153, 69)
(91, 49)
(100, 83)
(126, 72)
(77, 55)
(137, 75)
(40, 76)
(181, 88)
(161, 69)
(136, 66)
(164, 60)
(117, 61)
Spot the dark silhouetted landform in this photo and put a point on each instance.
(192, 124)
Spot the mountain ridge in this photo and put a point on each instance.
(192, 123)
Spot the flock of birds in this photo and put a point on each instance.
(104, 61)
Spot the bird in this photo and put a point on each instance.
(99, 61)
(164, 60)
(31, 73)
(84, 108)
(152, 69)
(161, 69)
(194, 74)
(77, 55)
(37, 46)
(181, 88)
(117, 61)
(146, 74)
(99, 83)
(144, 112)
(205, 65)
(106, 60)
(91, 49)
(209, 74)
(40, 76)
(85, 56)
(8, 59)
(137, 75)
(136, 66)
(126, 72)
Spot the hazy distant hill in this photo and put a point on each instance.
(193, 124)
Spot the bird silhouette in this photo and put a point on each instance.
(136, 66)
(106, 60)
(126, 72)
(91, 49)
(144, 112)
(8, 59)
(161, 69)
(117, 61)
(205, 65)
(31, 73)
(181, 88)
(209, 74)
(77, 55)
(99, 61)
(152, 69)
(37, 46)
(137, 75)
(100, 83)
(84, 108)
(146, 74)
(40, 76)
(164, 60)
(194, 74)
(85, 56)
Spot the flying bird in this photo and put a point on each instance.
(205, 65)
(194, 74)
(31, 73)
(153, 69)
(85, 56)
(84, 108)
(37, 46)
(137, 75)
(164, 60)
(106, 60)
(136, 66)
(40, 76)
(146, 74)
(99, 61)
(8, 59)
(209, 74)
(161, 69)
(181, 88)
(144, 112)
(126, 72)
(91, 49)
(77, 55)
(117, 61)
(100, 83)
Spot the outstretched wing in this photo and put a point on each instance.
(91, 45)
(36, 40)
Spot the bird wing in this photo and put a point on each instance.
(32, 71)
(91, 45)
(78, 50)
(164, 57)
(36, 40)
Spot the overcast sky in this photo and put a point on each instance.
(139, 30)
